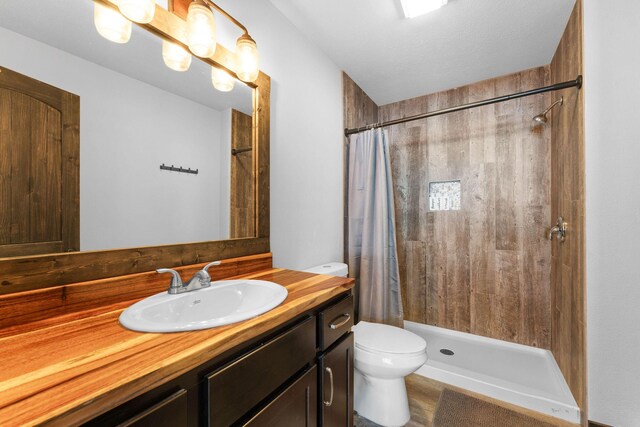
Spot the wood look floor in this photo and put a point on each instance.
(423, 397)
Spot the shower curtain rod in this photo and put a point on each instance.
(558, 86)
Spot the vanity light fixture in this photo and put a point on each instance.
(247, 58)
(413, 8)
(111, 24)
(200, 36)
(175, 56)
(201, 29)
(140, 11)
(222, 80)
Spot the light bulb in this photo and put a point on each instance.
(221, 80)
(201, 30)
(111, 24)
(140, 11)
(175, 56)
(247, 59)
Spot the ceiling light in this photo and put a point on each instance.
(201, 30)
(175, 56)
(221, 80)
(111, 24)
(247, 59)
(413, 8)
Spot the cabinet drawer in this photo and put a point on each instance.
(235, 389)
(296, 406)
(168, 408)
(172, 411)
(335, 321)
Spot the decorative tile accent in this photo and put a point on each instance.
(444, 196)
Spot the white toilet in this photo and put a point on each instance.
(384, 355)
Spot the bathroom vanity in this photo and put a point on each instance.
(300, 374)
(290, 366)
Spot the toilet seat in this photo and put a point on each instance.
(382, 339)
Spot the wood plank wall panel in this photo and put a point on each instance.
(358, 110)
(568, 299)
(242, 201)
(486, 268)
(25, 311)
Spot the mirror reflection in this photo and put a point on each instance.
(135, 115)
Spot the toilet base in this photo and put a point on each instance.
(383, 401)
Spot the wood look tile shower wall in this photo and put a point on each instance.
(568, 283)
(484, 269)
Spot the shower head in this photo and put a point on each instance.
(542, 118)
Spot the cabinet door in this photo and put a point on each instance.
(336, 385)
(296, 406)
(236, 389)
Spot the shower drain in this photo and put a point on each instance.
(446, 352)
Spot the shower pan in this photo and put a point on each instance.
(518, 374)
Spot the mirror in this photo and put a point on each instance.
(135, 115)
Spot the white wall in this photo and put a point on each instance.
(306, 138)
(612, 61)
(127, 129)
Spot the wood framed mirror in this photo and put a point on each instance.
(30, 272)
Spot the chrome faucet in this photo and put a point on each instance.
(200, 280)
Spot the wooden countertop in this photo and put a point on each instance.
(70, 371)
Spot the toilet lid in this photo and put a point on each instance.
(381, 338)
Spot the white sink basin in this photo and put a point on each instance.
(222, 303)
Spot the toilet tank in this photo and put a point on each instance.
(332, 269)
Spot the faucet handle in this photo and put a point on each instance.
(176, 280)
(205, 271)
(211, 264)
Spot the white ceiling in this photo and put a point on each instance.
(68, 25)
(466, 41)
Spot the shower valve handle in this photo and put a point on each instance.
(560, 230)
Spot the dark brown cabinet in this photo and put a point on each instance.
(170, 412)
(335, 321)
(235, 389)
(300, 374)
(169, 405)
(296, 406)
(336, 384)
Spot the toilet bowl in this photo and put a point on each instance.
(384, 355)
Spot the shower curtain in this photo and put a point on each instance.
(373, 259)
